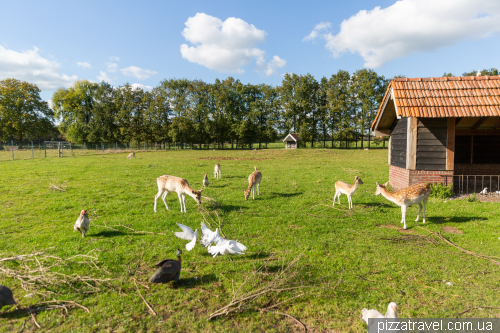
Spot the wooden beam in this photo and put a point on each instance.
(477, 132)
(479, 123)
(411, 144)
(457, 120)
(497, 125)
(389, 149)
(450, 145)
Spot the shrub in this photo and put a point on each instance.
(440, 191)
(472, 198)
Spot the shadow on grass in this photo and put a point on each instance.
(111, 233)
(196, 281)
(285, 195)
(454, 219)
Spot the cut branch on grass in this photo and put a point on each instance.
(462, 249)
(289, 316)
(478, 307)
(145, 302)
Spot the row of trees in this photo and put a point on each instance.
(227, 111)
(340, 107)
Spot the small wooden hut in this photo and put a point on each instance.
(292, 141)
(444, 129)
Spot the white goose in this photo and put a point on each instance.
(208, 236)
(367, 314)
(187, 234)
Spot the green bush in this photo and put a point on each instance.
(440, 191)
(472, 198)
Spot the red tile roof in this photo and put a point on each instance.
(470, 96)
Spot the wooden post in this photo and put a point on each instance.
(411, 144)
(45, 148)
(32, 154)
(12, 147)
(450, 145)
(389, 149)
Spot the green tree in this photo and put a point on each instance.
(339, 105)
(23, 114)
(484, 72)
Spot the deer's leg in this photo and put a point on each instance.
(156, 198)
(253, 192)
(335, 197)
(403, 212)
(180, 201)
(419, 210)
(425, 206)
(258, 188)
(163, 198)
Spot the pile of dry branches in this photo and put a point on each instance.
(39, 270)
(260, 293)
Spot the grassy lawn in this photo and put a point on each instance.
(347, 260)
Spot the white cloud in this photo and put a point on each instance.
(103, 76)
(137, 72)
(225, 46)
(272, 66)
(409, 26)
(84, 65)
(316, 30)
(31, 67)
(111, 67)
(141, 86)
(114, 58)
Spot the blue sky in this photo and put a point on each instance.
(53, 43)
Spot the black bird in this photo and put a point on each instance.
(169, 270)
(6, 297)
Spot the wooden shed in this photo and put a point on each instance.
(444, 129)
(292, 141)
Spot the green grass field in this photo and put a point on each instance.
(348, 260)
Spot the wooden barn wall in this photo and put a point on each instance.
(398, 142)
(431, 143)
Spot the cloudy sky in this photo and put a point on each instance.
(54, 43)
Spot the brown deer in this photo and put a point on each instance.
(347, 189)
(415, 194)
(217, 171)
(167, 184)
(131, 155)
(253, 181)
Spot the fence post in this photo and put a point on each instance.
(32, 154)
(62, 150)
(102, 148)
(45, 148)
(116, 147)
(84, 149)
(144, 145)
(12, 147)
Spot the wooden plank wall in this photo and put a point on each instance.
(431, 143)
(398, 142)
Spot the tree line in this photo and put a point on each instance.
(339, 108)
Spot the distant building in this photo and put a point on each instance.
(292, 141)
(442, 130)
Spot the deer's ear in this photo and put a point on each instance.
(377, 183)
(386, 183)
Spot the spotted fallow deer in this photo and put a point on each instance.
(253, 181)
(167, 184)
(217, 171)
(131, 155)
(347, 189)
(413, 195)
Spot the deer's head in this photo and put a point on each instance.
(358, 180)
(247, 194)
(380, 188)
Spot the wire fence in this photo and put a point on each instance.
(50, 149)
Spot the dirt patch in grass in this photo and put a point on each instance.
(452, 230)
(391, 226)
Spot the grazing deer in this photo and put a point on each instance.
(415, 194)
(347, 189)
(253, 181)
(167, 184)
(217, 171)
(205, 181)
(131, 155)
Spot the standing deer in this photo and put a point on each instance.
(205, 181)
(347, 189)
(415, 194)
(217, 171)
(131, 155)
(253, 181)
(167, 184)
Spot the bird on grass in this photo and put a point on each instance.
(225, 246)
(169, 269)
(205, 181)
(82, 224)
(208, 236)
(367, 314)
(6, 297)
(187, 234)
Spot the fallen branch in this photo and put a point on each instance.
(208, 292)
(70, 302)
(461, 249)
(145, 302)
(478, 307)
(289, 316)
(34, 320)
